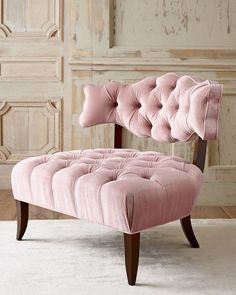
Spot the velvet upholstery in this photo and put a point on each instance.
(128, 190)
(168, 108)
(125, 189)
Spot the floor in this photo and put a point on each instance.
(8, 212)
(58, 257)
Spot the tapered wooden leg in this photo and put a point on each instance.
(188, 231)
(22, 213)
(131, 243)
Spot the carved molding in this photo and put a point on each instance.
(50, 28)
(4, 154)
(4, 107)
(4, 30)
(29, 128)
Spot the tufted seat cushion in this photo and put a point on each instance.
(125, 189)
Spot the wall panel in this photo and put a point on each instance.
(30, 18)
(172, 23)
(29, 128)
(34, 101)
(31, 69)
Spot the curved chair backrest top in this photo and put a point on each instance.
(169, 108)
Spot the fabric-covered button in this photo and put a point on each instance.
(167, 125)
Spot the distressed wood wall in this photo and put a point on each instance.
(49, 49)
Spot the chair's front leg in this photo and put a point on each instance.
(22, 213)
(188, 231)
(131, 243)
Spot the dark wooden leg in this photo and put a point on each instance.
(131, 243)
(188, 231)
(22, 213)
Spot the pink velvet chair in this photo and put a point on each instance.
(127, 189)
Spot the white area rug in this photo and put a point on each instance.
(76, 257)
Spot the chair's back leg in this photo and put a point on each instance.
(131, 243)
(188, 231)
(22, 213)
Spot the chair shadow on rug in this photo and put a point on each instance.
(127, 189)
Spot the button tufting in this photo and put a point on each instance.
(172, 87)
(155, 99)
(107, 192)
(116, 104)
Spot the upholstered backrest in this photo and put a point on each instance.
(168, 108)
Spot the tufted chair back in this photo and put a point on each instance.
(169, 108)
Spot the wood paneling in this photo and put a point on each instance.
(38, 128)
(30, 69)
(171, 23)
(223, 151)
(32, 83)
(30, 18)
